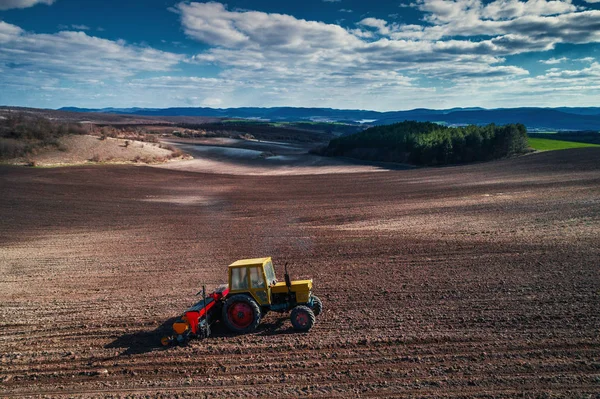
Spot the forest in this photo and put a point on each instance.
(426, 143)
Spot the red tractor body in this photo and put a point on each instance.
(199, 311)
(196, 321)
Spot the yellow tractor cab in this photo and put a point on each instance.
(254, 291)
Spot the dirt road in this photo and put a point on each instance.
(473, 281)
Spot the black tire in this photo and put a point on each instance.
(317, 306)
(302, 318)
(251, 305)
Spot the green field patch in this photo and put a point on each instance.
(551, 145)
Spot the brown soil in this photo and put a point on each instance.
(472, 281)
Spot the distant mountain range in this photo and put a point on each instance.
(562, 118)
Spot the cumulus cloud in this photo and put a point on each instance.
(73, 68)
(211, 23)
(508, 26)
(295, 61)
(379, 24)
(469, 11)
(550, 21)
(553, 61)
(75, 55)
(593, 71)
(510, 9)
(270, 59)
(285, 45)
(581, 86)
(459, 42)
(9, 4)
(8, 31)
(74, 26)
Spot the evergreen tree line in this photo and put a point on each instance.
(426, 143)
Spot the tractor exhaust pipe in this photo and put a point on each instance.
(288, 282)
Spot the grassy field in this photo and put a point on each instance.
(549, 144)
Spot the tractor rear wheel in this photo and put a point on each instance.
(241, 314)
(317, 305)
(302, 318)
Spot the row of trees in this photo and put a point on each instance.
(22, 134)
(259, 130)
(20, 126)
(425, 143)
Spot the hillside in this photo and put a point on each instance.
(36, 141)
(563, 118)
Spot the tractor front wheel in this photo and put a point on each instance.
(241, 314)
(302, 318)
(317, 305)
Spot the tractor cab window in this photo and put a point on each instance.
(270, 273)
(256, 277)
(239, 278)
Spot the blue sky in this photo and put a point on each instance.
(381, 55)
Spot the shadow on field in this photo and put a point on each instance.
(276, 327)
(143, 341)
(148, 341)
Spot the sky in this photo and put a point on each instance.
(353, 54)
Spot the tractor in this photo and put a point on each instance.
(253, 290)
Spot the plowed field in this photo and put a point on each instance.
(472, 281)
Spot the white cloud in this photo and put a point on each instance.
(77, 56)
(510, 9)
(74, 26)
(8, 4)
(580, 86)
(457, 57)
(462, 44)
(211, 23)
(553, 61)
(212, 102)
(568, 75)
(539, 20)
(331, 1)
(469, 11)
(282, 43)
(8, 31)
(307, 60)
(379, 24)
(586, 59)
